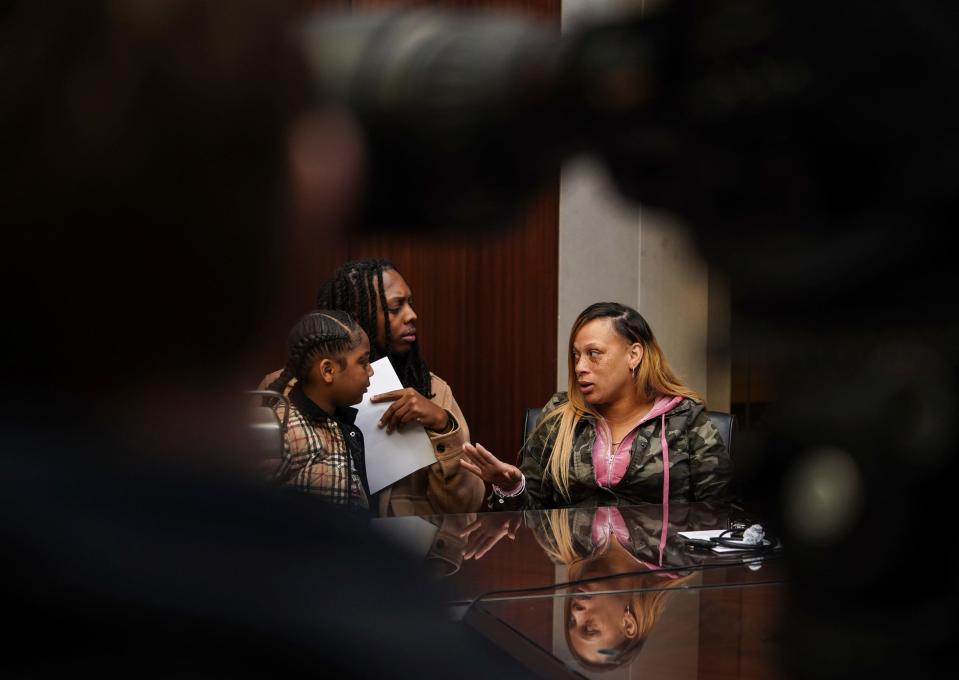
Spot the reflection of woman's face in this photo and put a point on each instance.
(601, 628)
(598, 624)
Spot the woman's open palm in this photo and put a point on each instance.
(489, 468)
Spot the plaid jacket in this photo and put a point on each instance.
(323, 454)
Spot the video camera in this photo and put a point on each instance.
(797, 160)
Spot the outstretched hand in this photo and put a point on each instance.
(489, 468)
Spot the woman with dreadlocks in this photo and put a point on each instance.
(377, 295)
(329, 358)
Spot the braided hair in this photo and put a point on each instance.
(357, 288)
(320, 334)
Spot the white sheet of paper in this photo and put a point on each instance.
(389, 457)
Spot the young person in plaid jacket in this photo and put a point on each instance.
(329, 356)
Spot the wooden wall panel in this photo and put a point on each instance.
(487, 308)
(487, 302)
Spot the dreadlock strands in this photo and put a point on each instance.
(357, 287)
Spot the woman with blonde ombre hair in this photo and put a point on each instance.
(626, 431)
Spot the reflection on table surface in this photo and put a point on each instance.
(505, 554)
(693, 628)
(584, 592)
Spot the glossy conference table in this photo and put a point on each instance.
(597, 592)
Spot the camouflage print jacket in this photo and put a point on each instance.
(699, 465)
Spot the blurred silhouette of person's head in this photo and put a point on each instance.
(161, 161)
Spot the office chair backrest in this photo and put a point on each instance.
(529, 422)
(726, 424)
(266, 429)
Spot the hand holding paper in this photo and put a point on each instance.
(410, 406)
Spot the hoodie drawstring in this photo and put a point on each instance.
(662, 536)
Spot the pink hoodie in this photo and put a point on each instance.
(610, 465)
